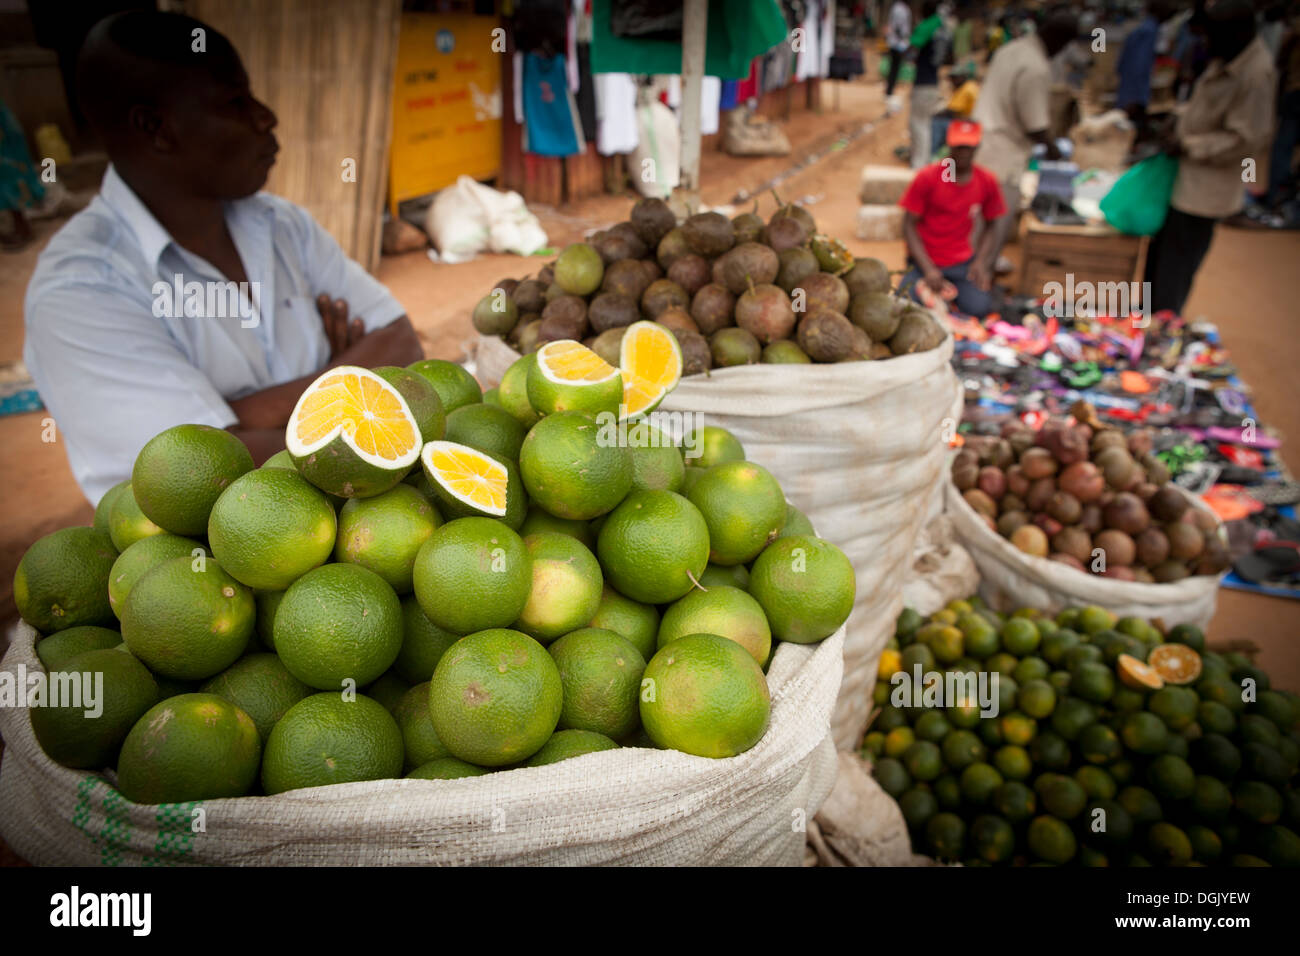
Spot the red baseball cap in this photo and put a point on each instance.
(963, 133)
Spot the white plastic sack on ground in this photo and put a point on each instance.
(468, 218)
(941, 570)
(858, 447)
(860, 824)
(1011, 579)
(630, 806)
(655, 165)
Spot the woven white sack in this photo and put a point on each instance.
(630, 806)
(1011, 579)
(859, 447)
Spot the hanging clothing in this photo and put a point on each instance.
(710, 98)
(551, 123)
(730, 95)
(585, 95)
(616, 126)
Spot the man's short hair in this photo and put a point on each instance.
(142, 56)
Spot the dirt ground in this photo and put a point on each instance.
(1244, 287)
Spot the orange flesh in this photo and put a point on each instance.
(473, 477)
(574, 362)
(371, 416)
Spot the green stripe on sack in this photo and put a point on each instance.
(175, 833)
(116, 832)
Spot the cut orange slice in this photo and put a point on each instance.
(569, 377)
(651, 361)
(1138, 675)
(472, 479)
(352, 433)
(1176, 663)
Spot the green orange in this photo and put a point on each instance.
(181, 472)
(725, 611)
(572, 469)
(423, 643)
(62, 580)
(711, 445)
(338, 623)
(566, 586)
(565, 744)
(189, 747)
(654, 546)
(600, 673)
(806, 587)
(186, 620)
(473, 574)
(421, 397)
(127, 524)
(261, 686)
(325, 739)
(270, 527)
(705, 695)
(454, 385)
(384, 533)
(109, 691)
(637, 622)
(495, 697)
(743, 507)
(487, 428)
(141, 558)
(419, 740)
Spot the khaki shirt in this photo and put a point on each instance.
(1014, 101)
(1228, 119)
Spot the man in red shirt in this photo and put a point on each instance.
(940, 207)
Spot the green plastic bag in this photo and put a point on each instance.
(1139, 201)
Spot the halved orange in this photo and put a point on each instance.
(1176, 663)
(569, 377)
(651, 361)
(352, 433)
(469, 477)
(1138, 675)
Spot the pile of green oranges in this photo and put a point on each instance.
(1105, 742)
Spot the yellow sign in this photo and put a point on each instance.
(446, 103)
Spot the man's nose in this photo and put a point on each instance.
(264, 117)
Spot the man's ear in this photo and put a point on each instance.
(146, 122)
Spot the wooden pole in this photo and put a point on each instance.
(695, 26)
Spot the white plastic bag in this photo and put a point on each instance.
(656, 161)
(468, 218)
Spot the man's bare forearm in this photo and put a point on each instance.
(394, 344)
(915, 248)
(990, 241)
(262, 442)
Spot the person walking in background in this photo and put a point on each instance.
(929, 43)
(897, 34)
(1137, 58)
(1228, 119)
(1014, 107)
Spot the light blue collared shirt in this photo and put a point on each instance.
(113, 372)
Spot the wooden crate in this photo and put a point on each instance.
(1092, 253)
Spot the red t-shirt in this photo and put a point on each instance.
(944, 210)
